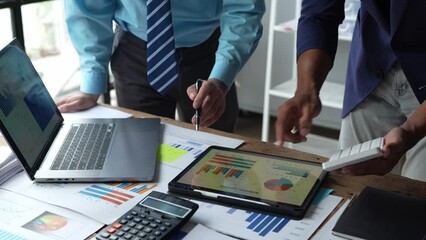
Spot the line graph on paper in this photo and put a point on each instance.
(10, 210)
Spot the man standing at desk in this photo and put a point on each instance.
(213, 40)
(385, 83)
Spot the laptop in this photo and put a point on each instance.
(84, 150)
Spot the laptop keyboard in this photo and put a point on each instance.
(85, 147)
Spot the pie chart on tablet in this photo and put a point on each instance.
(281, 184)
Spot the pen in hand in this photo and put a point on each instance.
(198, 110)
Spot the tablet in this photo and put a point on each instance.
(259, 182)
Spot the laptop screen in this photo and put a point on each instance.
(29, 116)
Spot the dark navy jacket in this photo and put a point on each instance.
(378, 42)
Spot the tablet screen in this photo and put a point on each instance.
(257, 176)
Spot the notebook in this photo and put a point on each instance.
(84, 150)
(382, 214)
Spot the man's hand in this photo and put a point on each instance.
(77, 102)
(211, 97)
(396, 144)
(294, 118)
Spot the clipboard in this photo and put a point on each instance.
(253, 181)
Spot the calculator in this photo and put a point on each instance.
(355, 154)
(156, 217)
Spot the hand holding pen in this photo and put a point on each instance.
(211, 96)
(198, 110)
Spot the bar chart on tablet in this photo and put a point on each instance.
(226, 166)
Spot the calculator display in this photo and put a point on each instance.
(166, 207)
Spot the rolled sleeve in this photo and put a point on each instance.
(224, 71)
(93, 82)
(90, 29)
(241, 29)
(318, 25)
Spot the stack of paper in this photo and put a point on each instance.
(9, 165)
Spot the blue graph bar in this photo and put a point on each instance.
(270, 226)
(123, 185)
(139, 188)
(9, 236)
(264, 223)
(252, 217)
(239, 172)
(91, 194)
(257, 221)
(281, 225)
(231, 210)
(102, 188)
(194, 143)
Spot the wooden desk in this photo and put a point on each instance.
(343, 185)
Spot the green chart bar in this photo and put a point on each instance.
(290, 170)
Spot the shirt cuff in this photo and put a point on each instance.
(93, 83)
(224, 72)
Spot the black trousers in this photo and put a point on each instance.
(129, 68)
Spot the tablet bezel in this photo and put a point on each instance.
(244, 201)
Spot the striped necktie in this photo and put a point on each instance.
(161, 53)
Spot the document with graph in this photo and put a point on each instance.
(104, 202)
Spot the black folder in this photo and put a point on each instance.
(380, 214)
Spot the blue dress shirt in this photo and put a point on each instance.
(90, 29)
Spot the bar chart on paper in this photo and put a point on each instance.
(10, 236)
(261, 223)
(180, 146)
(175, 146)
(170, 152)
(252, 225)
(115, 193)
(134, 187)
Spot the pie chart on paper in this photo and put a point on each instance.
(50, 222)
(281, 184)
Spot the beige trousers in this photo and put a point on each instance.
(388, 106)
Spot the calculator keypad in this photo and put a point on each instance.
(138, 225)
(358, 148)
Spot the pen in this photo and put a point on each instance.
(198, 110)
(215, 195)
